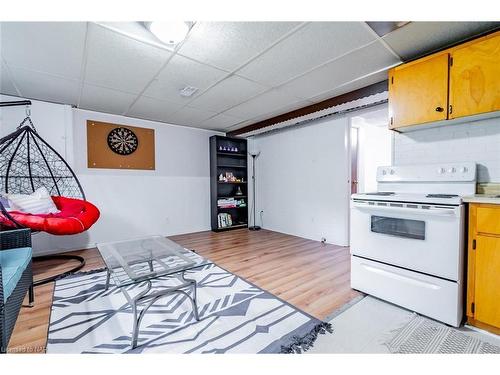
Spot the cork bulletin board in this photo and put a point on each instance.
(115, 146)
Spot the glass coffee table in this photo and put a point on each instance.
(142, 260)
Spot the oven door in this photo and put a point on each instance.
(425, 238)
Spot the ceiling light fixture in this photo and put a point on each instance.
(171, 33)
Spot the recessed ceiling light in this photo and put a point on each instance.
(169, 32)
(188, 91)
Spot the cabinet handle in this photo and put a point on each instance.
(439, 109)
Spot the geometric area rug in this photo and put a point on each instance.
(235, 317)
(425, 336)
(370, 325)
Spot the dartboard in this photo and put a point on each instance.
(123, 141)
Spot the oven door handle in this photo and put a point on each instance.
(432, 212)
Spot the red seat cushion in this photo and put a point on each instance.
(75, 216)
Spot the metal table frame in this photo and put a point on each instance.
(143, 297)
(186, 287)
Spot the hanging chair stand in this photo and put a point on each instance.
(63, 257)
(27, 162)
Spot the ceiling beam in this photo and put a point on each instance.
(373, 89)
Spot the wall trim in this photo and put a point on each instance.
(373, 89)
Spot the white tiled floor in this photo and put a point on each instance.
(367, 325)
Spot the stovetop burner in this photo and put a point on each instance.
(383, 193)
(441, 195)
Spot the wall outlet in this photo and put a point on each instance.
(323, 240)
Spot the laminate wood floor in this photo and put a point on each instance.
(308, 274)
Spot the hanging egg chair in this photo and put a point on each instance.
(27, 162)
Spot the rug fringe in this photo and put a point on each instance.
(302, 344)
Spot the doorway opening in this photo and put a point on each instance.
(371, 147)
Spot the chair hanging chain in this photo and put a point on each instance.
(27, 119)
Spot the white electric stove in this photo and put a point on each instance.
(407, 239)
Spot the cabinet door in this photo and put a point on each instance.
(487, 283)
(418, 92)
(475, 77)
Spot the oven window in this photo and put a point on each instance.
(406, 228)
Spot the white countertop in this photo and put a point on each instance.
(482, 198)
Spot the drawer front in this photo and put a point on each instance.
(436, 298)
(488, 220)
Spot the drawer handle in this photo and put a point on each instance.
(396, 276)
(439, 109)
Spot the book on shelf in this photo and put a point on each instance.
(230, 203)
(224, 220)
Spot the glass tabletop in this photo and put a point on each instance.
(141, 259)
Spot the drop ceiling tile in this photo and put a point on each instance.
(419, 38)
(46, 87)
(220, 122)
(355, 65)
(311, 46)
(285, 109)
(105, 100)
(119, 62)
(240, 125)
(136, 30)
(179, 73)
(48, 47)
(351, 86)
(227, 45)
(153, 109)
(190, 116)
(228, 93)
(264, 103)
(6, 85)
(385, 27)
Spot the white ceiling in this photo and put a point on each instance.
(245, 72)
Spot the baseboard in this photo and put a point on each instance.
(37, 252)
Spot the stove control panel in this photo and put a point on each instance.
(449, 172)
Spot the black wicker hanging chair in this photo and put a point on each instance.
(27, 162)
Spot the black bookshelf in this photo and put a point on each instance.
(228, 156)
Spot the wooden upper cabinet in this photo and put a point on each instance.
(418, 91)
(475, 77)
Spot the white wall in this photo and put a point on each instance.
(477, 141)
(302, 180)
(374, 150)
(173, 199)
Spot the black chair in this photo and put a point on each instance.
(16, 278)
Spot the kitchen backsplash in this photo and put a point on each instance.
(477, 141)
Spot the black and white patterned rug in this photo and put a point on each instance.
(236, 317)
(424, 335)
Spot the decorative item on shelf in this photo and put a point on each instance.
(224, 220)
(221, 178)
(238, 191)
(230, 177)
(236, 149)
(220, 148)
